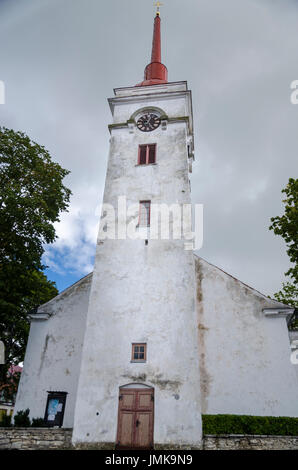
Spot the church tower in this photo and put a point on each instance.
(139, 383)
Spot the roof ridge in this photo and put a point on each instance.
(243, 283)
(63, 292)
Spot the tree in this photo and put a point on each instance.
(14, 319)
(32, 196)
(287, 227)
(9, 389)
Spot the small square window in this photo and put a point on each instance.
(139, 352)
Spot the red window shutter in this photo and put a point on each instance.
(147, 154)
(152, 153)
(142, 154)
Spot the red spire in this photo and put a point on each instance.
(155, 72)
(156, 43)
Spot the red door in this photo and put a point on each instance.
(135, 418)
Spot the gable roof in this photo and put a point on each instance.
(66, 292)
(274, 303)
(271, 302)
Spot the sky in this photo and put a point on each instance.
(61, 59)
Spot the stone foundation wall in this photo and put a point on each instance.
(35, 438)
(246, 442)
(49, 438)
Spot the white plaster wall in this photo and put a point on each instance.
(175, 107)
(169, 97)
(166, 182)
(142, 294)
(53, 352)
(244, 356)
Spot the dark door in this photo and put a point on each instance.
(55, 409)
(135, 419)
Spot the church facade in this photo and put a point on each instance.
(133, 354)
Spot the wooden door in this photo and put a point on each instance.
(135, 419)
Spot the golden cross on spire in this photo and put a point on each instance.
(158, 5)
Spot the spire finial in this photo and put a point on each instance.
(158, 5)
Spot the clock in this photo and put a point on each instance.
(148, 122)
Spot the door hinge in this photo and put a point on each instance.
(152, 397)
(120, 397)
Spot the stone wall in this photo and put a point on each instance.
(246, 442)
(35, 438)
(48, 438)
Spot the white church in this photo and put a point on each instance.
(133, 354)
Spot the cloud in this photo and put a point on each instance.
(61, 61)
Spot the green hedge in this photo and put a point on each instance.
(5, 421)
(245, 424)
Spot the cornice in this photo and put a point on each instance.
(278, 311)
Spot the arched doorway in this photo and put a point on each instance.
(135, 417)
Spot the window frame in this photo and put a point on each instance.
(147, 154)
(133, 345)
(59, 416)
(148, 216)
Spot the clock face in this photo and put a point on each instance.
(148, 122)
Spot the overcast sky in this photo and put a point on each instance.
(61, 59)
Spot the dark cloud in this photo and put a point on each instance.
(62, 58)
